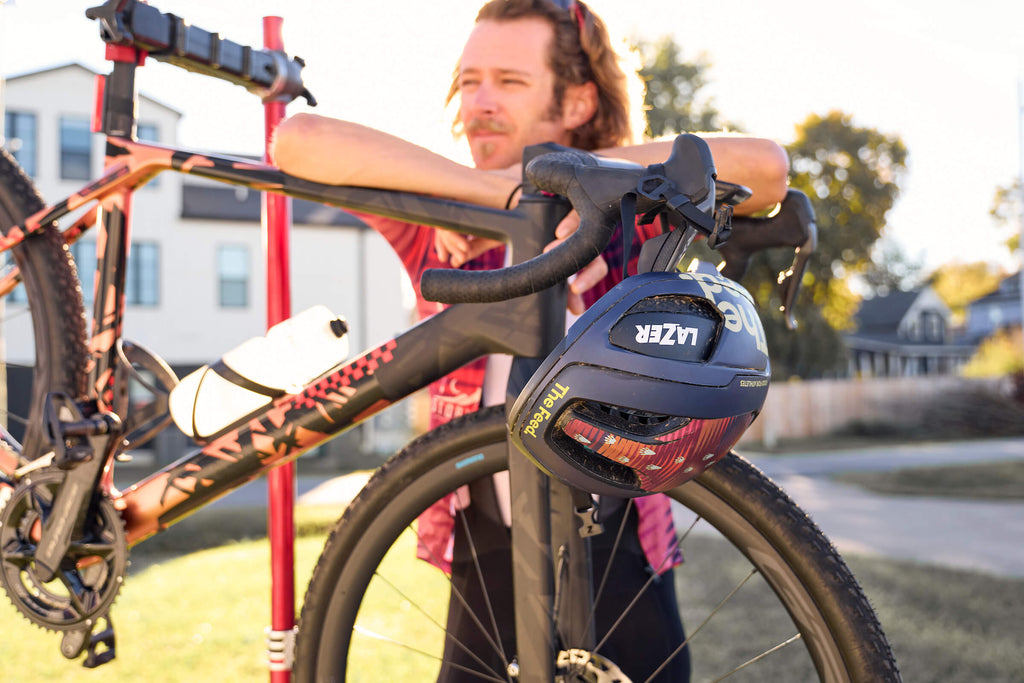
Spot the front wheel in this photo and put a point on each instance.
(762, 593)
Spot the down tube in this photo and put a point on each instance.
(292, 425)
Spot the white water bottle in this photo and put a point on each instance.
(291, 355)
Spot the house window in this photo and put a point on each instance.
(20, 139)
(933, 326)
(142, 278)
(75, 149)
(233, 275)
(148, 132)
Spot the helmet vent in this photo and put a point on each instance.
(676, 303)
(637, 423)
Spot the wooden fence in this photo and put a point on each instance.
(803, 409)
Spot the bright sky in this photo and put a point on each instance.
(941, 75)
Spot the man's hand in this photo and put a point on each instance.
(457, 249)
(592, 273)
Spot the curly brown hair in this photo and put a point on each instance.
(581, 51)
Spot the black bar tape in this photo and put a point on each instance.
(571, 174)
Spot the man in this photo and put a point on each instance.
(532, 71)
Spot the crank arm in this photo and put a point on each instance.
(76, 443)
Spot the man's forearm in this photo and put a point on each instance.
(344, 153)
(758, 163)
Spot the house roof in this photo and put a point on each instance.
(225, 203)
(878, 326)
(885, 311)
(89, 71)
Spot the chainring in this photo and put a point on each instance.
(91, 573)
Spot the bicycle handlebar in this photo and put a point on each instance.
(270, 74)
(595, 187)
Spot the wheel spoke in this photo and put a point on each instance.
(780, 646)
(744, 624)
(643, 589)
(377, 636)
(630, 509)
(462, 600)
(14, 417)
(704, 623)
(483, 589)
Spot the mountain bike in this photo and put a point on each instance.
(763, 593)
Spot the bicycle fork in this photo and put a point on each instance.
(551, 566)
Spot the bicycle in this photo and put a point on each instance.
(66, 531)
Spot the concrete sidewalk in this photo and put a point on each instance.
(976, 535)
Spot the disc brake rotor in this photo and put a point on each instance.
(582, 666)
(90, 574)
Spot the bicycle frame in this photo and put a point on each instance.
(349, 394)
(527, 327)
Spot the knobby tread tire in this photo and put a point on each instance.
(746, 506)
(54, 297)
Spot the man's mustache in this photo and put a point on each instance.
(486, 125)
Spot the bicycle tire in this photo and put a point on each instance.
(802, 570)
(53, 301)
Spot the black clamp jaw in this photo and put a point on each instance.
(270, 74)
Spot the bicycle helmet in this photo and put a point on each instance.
(655, 383)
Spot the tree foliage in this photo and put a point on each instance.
(891, 269)
(851, 174)
(672, 100)
(997, 356)
(1007, 209)
(958, 284)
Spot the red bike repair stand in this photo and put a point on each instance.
(281, 480)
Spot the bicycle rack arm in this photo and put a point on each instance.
(269, 74)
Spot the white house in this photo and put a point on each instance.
(196, 276)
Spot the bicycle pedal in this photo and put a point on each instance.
(105, 638)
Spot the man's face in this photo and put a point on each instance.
(507, 91)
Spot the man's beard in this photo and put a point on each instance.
(486, 125)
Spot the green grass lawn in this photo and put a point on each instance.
(191, 612)
(983, 481)
(200, 617)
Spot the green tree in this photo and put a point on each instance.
(672, 99)
(852, 175)
(891, 270)
(958, 284)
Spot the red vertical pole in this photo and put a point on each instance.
(281, 480)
